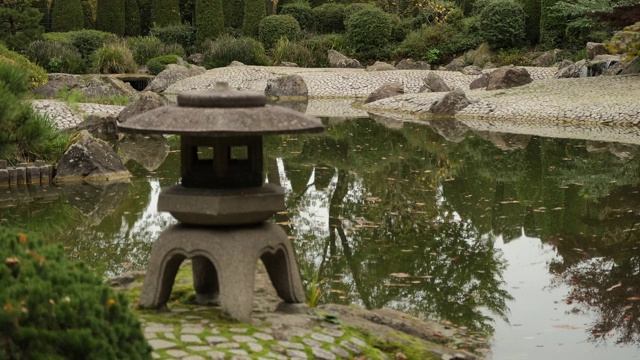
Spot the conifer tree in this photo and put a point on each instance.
(110, 16)
(89, 23)
(165, 13)
(66, 15)
(209, 19)
(254, 12)
(131, 18)
(233, 13)
(43, 6)
(19, 24)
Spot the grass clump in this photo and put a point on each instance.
(290, 51)
(56, 57)
(114, 58)
(226, 48)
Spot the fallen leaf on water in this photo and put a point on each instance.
(634, 298)
(400, 275)
(568, 327)
(614, 286)
(372, 198)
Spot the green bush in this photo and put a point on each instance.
(502, 24)
(368, 30)
(225, 49)
(209, 19)
(353, 8)
(114, 58)
(145, 48)
(56, 57)
(67, 15)
(273, 27)
(329, 18)
(26, 135)
(88, 41)
(87, 15)
(187, 11)
(254, 12)
(54, 308)
(110, 16)
(132, 18)
(290, 51)
(19, 24)
(301, 12)
(37, 76)
(320, 44)
(449, 40)
(233, 13)
(157, 64)
(177, 34)
(43, 7)
(165, 13)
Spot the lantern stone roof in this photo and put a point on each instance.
(221, 112)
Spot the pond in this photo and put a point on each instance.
(531, 241)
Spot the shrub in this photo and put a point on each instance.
(226, 49)
(63, 38)
(502, 24)
(114, 58)
(56, 57)
(273, 27)
(37, 76)
(19, 24)
(449, 40)
(145, 16)
(157, 64)
(329, 18)
(67, 15)
(351, 9)
(254, 12)
(110, 16)
(165, 13)
(177, 34)
(187, 11)
(43, 7)
(209, 19)
(626, 42)
(88, 41)
(25, 135)
(131, 18)
(145, 48)
(320, 44)
(511, 57)
(301, 12)
(233, 13)
(55, 308)
(88, 22)
(368, 29)
(290, 51)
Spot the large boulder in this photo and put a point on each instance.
(451, 103)
(196, 59)
(101, 125)
(89, 160)
(507, 77)
(575, 70)
(456, 64)
(480, 82)
(56, 83)
(338, 60)
(434, 83)
(147, 100)
(287, 86)
(632, 67)
(548, 58)
(90, 86)
(171, 74)
(472, 70)
(594, 49)
(387, 90)
(409, 64)
(380, 66)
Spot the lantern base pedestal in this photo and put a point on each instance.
(222, 207)
(224, 265)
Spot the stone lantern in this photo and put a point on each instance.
(222, 203)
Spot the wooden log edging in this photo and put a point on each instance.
(22, 174)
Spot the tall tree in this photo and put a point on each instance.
(233, 13)
(254, 12)
(89, 21)
(67, 15)
(110, 16)
(131, 18)
(19, 23)
(165, 13)
(551, 27)
(43, 6)
(209, 19)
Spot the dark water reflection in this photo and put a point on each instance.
(532, 240)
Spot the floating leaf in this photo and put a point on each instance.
(400, 275)
(614, 286)
(568, 327)
(634, 298)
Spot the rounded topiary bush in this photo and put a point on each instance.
(273, 27)
(53, 308)
(502, 24)
(368, 29)
(226, 49)
(114, 58)
(329, 18)
(88, 41)
(56, 57)
(157, 64)
(301, 12)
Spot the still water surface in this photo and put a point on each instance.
(532, 241)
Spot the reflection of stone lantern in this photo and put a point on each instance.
(222, 203)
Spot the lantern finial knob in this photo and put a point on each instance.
(222, 85)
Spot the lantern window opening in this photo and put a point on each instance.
(205, 153)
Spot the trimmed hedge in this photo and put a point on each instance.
(502, 24)
(67, 15)
(368, 29)
(209, 19)
(89, 23)
(165, 13)
(157, 64)
(110, 16)
(329, 18)
(254, 12)
(54, 308)
(233, 13)
(132, 25)
(273, 27)
(176, 34)
(301, 12)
